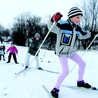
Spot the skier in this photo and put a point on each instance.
(34, 44)
(68, 32)
(12, 51)
(2, 51)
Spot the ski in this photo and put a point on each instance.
(75, 87)
(94, 88)
(47, 91)
(20, 72)
(25, 70)
(49, 71)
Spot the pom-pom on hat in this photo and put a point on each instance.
(74, 11)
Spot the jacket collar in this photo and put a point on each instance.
(72, 24)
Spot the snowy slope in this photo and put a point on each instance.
(30, 84)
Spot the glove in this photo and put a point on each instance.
(56, 17)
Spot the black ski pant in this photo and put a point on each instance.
(3, 57)
(14, 57)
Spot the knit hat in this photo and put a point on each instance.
(37, 35)
(74, 11)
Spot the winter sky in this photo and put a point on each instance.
(9, 9)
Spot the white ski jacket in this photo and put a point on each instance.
(67, 33)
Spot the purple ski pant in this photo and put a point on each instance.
(65, 68)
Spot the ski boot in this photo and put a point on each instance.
(26, 67)
(16, 62)
(40, 68)
(83, 84)
(55, 92)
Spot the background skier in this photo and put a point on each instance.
(2, 51)
(12, 51)
(34, 44)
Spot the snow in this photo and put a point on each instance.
(30, 84)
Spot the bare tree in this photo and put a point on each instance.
(90, 18)
(25, 25)
(6, 34)
(1, 29)
(90, 8)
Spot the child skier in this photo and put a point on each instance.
(2, 52)
(67, 33)
(12, 51)
(34, 44)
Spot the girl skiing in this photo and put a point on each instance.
(12, 51)
(67, 33)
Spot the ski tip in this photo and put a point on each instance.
(15, 73)
(94, 88)
(5, 94)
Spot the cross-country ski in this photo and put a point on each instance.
(26, 70)
(75, 87)
(48, 92)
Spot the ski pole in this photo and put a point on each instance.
(25, 59)
(86, 50)
(44, 56)
(43, 40)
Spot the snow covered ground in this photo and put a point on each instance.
(31, 84)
